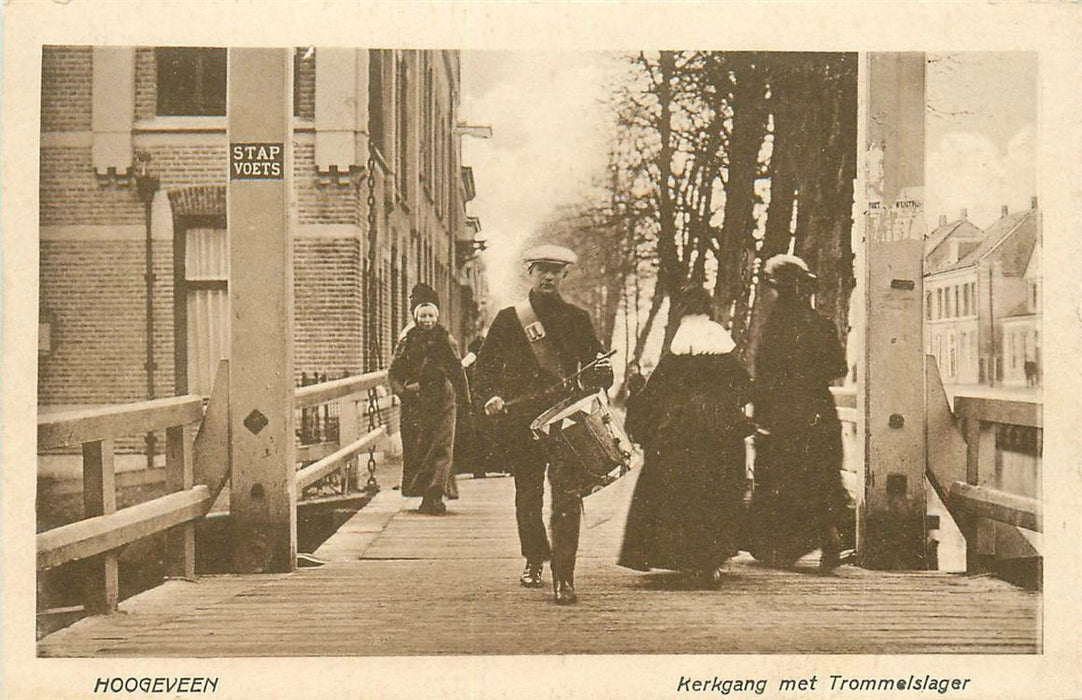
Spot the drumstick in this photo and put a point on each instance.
(561, 385)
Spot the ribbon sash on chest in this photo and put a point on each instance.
(540, 343)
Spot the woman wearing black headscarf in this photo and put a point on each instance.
(687, 508)
(427, 376)
(799, 495)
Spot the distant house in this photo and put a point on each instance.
(973, 285)
(950, 299)
(1020, 329)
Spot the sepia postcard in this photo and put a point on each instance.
(557, 349)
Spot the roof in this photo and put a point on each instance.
(1011, 239)
(959, 227)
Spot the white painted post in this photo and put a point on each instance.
(263, 496)
(892, 516)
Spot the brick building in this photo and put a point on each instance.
(982, 299)
(380, 198)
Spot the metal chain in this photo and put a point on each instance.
(372, 486)
(375, 351)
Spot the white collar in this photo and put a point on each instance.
(698, 335)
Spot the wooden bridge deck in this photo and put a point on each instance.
(400, 583)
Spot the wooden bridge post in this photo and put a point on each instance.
(263, 496)
(891, 531)
(180, 476)
(102, 580)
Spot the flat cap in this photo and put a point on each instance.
(550, 253)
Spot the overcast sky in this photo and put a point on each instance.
(981, 135)
(550, 138)
(548, 146)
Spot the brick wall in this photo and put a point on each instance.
(184, 165)
(305, 77)
(327, 306)
(319, 203)
(146, 84)
(66, 77)
(70, 192)
(95, 288)
(97, 296)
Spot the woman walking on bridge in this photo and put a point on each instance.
(687, 509)
(427, 376)
(799, 497)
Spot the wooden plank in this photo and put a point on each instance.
(102, 584)
(844, 396)
(210, 453)
(1010, 412)
(334, 461)
(102, 533)
(352, 607)
(326, 392)
(180, 476)
(89, 425)
(996, 505)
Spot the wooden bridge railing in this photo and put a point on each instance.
(348, 394)
(104, 529)
(982, 503)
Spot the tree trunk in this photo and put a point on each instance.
(648, 325)
(749, 128)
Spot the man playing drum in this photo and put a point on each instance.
(531, 348)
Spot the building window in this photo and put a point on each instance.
(957, 306)
(191, 82)
(939, 303)
(928, 305)
(1034, 296)
(965, 299)
(947, 303)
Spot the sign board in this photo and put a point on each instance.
(256, 161)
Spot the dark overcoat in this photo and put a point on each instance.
(687, 509)
(798, 485)
(507, 367)
(427, 375)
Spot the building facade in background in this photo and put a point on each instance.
(982, 300)
(380, 203)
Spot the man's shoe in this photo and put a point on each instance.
(565, 593)
(531, 577)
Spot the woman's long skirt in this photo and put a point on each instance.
(686, 512)
(798, 492)
(428, 442)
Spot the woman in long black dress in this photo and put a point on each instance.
(427, 376)
(799, 494)
(686, 511)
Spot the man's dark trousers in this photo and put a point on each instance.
(529, 469)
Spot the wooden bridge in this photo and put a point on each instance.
(400, 583)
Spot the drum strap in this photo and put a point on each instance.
(539, 341)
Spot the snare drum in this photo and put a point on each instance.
(584, 432)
